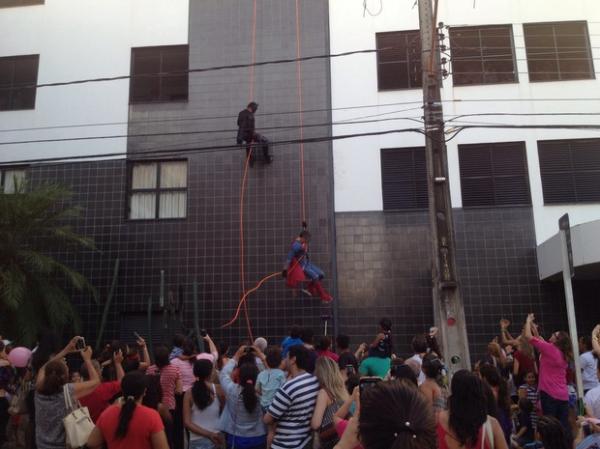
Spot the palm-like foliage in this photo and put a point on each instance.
(34, 223)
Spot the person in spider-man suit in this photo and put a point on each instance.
(298, 269)
(247, 133)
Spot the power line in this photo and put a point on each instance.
(210, 149)
(141, 155)
(180, 133)
(199, 70)
(279, 113)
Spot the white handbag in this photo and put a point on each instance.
(78, 424)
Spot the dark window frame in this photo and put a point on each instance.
(419, 192)
(161, 51)
(571, 172)
(18, 3)
(156, 191)
(591, 75)
(483, 58)
(24, 85)
(405, 35)
(493, 177)
(5, 168)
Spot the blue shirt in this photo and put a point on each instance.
(269, 382)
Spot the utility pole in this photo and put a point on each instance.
(447, 302)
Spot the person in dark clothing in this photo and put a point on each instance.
(247, 133)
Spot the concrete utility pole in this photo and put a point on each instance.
(447, 302)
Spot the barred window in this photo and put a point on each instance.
(159, 74)
(18, 78)
(558, 51)
(399, 60)
(482, 55)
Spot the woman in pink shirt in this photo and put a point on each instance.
(555, 356)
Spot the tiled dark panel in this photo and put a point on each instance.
(206, 245)
(384, 270)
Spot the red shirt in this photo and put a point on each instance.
(332, 355)
(99, 399)
(526, 364)
(144, 423)
(169, 375)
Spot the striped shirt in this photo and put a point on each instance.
(292, 407)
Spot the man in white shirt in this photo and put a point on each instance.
(588, 363)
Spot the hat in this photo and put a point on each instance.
(206, 356)
(261, 343)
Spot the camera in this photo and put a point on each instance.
(80, 344)
(203, 333)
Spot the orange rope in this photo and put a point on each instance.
(242, 263)
(243, 187)
(300, 108)
(243, 300)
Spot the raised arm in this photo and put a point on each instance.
(82, 389)
(527, 331)
(212, 347)
(71, 347)
(145, 354)
(118, 361)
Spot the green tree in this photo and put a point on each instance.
(35, 285)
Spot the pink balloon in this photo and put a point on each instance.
(19, 357)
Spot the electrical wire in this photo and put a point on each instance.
(198, 70)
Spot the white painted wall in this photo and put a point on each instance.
(354, 82)
(81, 39)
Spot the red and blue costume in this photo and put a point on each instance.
(300, 269)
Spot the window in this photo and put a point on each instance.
(570, 170)
(18, 77)
(494, 174)
(482, 55)
(7, 3)
(399, 60)
(404, 178)
(158, 190)
(11, 178)
(159, 74)
(558, 51)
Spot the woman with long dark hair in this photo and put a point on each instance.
(202, 408)
(500, 397)
(555, 356)
(551, 433)
(241, 419)
(466, 424)
(51, 386)
(128, 424)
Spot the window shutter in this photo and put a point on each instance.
(404, 178)
(494, 174)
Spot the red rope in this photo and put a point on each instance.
(300, 108)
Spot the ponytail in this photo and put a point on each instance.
(200, 393)
(248, 374)
(133, 386)
(125, 416)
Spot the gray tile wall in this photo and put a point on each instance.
(384, 270)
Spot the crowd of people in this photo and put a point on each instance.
(301, 393)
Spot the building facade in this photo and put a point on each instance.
(153, 160)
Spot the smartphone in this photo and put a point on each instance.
(368, 382)
(203, 333)
(80, 345)
(138, 336)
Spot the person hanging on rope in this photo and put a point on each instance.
(247, 133)
(298, 269)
